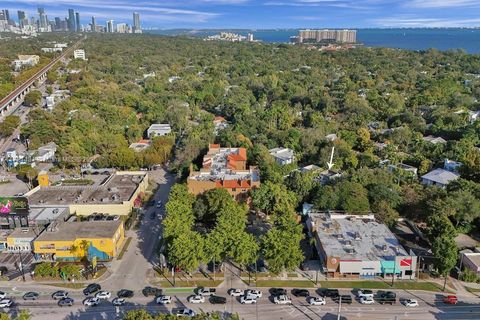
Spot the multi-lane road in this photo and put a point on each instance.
(430, 307)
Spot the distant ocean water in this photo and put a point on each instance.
(411, 39)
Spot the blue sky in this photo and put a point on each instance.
(265, 14)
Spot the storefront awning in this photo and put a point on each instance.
(390, 267)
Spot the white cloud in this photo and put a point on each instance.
(441, 3)
(418, 22)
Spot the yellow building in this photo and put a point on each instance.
(118, 195)
(71, 241)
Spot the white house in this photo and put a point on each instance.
(46, 153)
(79, 54)
(50, 50)
(158, 130)
(439, 177)
(283, 156)
(25, 60)
(50, 101)
(60, 45)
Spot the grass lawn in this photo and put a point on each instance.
(472, 290)
(190, 284)
(68, 285)
(402, 285)
(124, 249)
(285, 283)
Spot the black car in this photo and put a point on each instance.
(153, 215)
(332, 293)
(30, 296)
(65, 302)
(300, 292)
(387, 297)
(124, 293)
(346, 298)
(278, 291)
(217, 300)
(151, 291)
(91, 289)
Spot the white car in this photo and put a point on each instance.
(248, 300)
(364, 293)
(3, 295)
(367, 300)
(410, 303)
(5, 303)
(253, 293)
(118, 302)
(282, 299)
(104, 295)
(184, 312)
(91, 302)
(164, 300)
(235, 292)
(159, 204)
(316, 301)
(196, 299)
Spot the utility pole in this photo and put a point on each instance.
(339, 307)
(393, 275)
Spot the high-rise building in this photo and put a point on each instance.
(71, 20)
(326, 35)
(58, 25)
(94, 25)
(42, 18)
(250, 37)
(122, 28)
(110, 26)
(136, 23)
(64, 25)
(22, 18)
(77, 22)
(7, 15)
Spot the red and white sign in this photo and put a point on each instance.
(406, 262)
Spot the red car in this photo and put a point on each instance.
(450, 299)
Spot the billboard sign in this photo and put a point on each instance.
(13, 205)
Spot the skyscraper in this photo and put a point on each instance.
(94, 25)
(22, 18)
(110, 26)
(71, 20)
(3, 15)
(136, 23)
(77, 21)
(42, 18)
(58, 23)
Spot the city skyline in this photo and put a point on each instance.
(267, 13)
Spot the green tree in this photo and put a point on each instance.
(71, 271)
(439, 225)
(445, 251)
(302, 183)
(186, 251)
(271, 197)
(180, 218)
(8, 126)
(26, 172)
(33, 98)
(23, 315)
(353, 197)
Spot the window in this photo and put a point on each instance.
(408, 272)
(47, 246)
(234, 189)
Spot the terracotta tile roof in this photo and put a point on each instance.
(230, 184)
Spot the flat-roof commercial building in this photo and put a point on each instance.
(118, 195)
(158, 130)
(71, 241)
(357, 246)
(341, 36)
(224, 168)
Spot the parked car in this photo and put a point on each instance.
(253, 293)
(205, 291)
(159, 204)
(61, 294)
(410, 303)
(247, 300)
(367, 300)
(118, 302)
(217, 300)
(196, 299)
(91, 302)
(91, 289)
(30, 296)
(235, 292)
(316, 301)
(66, 302)
(104, 295)
(278, 292)
(153, 215)
(282, 299)
(183, 312)
(450, 299)
(332, 293)
(300, 292)
(124, 293)
(387, 297)
(3, 295)
(151, 291)
(364, 293)
(164, 300)
(6, 303)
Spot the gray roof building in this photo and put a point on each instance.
(283, 155)
(439, 177)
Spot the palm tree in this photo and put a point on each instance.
(85, 245)
(74, 250)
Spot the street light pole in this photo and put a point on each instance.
(339, 307)
(20, 264)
